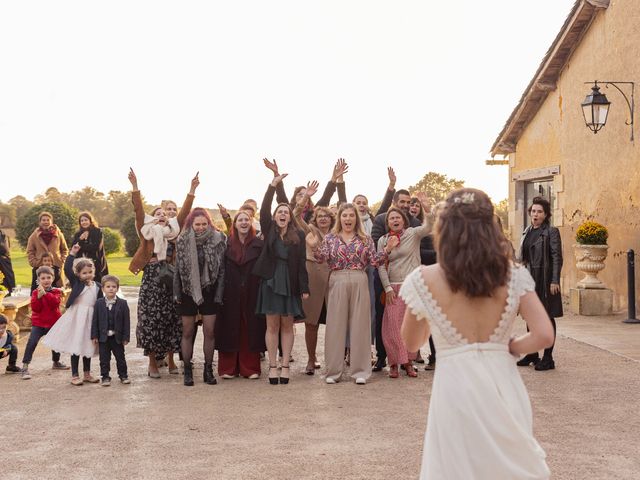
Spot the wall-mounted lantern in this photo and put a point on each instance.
(595, 107)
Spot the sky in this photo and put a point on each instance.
(89, 89)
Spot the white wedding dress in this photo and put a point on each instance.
(480, 421)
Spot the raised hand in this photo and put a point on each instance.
(75, 249)
(223, 211)
(424, 200)
(84, 235)
(392, 178)
(278, 178)
(195, 181)
(339, 169)
(133, 179)
(273, 166)
(312, 188)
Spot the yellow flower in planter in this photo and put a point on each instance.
(592, 233)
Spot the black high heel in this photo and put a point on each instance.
(284, 380)
(273, 380)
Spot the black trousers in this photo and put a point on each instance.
(13, 355)
(34, 337)
(75, 362)
(381, 353)
(105, 349)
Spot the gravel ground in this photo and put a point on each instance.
(585, 415)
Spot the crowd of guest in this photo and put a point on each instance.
(300, 263)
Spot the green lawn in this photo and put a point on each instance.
(118, 266)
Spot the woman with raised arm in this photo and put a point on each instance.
(401, 262)
(367, 216)
(480, 421)
(158, 330)
(336, 183)
(89, 237)
(315, 307)
(240, 332)
(348, 251)
(198, 284)
(281, 266)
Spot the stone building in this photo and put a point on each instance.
(551, 152)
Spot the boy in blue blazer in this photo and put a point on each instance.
(110, 329)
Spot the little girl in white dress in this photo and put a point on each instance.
(72, 332)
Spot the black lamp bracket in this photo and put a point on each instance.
(630, 101)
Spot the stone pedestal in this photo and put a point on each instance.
(586, 301)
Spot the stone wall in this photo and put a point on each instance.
(599, 175)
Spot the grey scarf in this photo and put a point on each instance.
(213, 245)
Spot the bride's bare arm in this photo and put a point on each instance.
(540, 333)
(414, 332)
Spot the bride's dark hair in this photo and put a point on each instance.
(471, 248)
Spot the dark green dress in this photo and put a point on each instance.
(274, 296)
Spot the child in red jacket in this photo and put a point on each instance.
(45, 312)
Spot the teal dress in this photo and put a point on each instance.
(274, 295)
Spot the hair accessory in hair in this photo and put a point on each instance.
(467, 198)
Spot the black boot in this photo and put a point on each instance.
(546, 363)
(380, 364)
(207, 376)
(188, 375)
(530, 359)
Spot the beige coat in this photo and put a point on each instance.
(57, 248)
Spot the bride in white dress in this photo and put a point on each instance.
(480, 420)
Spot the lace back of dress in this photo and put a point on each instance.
(419, 299)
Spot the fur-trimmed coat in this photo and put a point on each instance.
(145, 249)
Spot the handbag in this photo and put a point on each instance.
(165, 275)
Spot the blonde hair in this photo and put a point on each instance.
(337, 228)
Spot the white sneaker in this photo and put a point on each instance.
(25, 374)
(361, 381)
(253, 376)
(227, 376)
(330, 381)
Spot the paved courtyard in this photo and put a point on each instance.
(585, 416)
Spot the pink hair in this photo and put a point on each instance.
(197, 212)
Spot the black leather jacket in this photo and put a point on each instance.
(545, 265)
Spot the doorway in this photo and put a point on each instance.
(542, 187)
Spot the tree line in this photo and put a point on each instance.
(115, 210)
